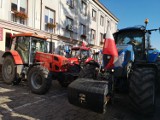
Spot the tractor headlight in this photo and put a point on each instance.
(108, 57)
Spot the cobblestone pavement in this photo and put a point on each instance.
(18, 103)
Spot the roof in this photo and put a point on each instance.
(139, 27)
(30, 35)
(106, 10)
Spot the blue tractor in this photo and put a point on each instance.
(136, 72)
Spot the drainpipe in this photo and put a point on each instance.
(41, 16)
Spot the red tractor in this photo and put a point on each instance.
(29, 58)
(81, 55)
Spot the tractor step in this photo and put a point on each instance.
(88, 93)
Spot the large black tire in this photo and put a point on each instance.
(158, 77)
(9, 73)
(142, 90)
(39, 79)
(88, 72)
(63, 79)
(66, 78)
(74, 69)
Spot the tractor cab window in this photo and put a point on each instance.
(131, 37)
(80, 53)
(75, 53)
(22, 47)
(134, 38)
(84, 54)
(40, 45)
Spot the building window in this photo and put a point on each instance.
(69, 24)
(69, 27)
(93, 15)
(84, 8)
(70, 3)
(101, 39)
(93, 36)
(101, 20)
(83, 31)
(19, 11)
(107, 24)
(49, 20)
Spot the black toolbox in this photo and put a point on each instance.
(88, 93)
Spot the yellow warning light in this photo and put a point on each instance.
(146, 21)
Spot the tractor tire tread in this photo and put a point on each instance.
(46, 79)
(141, 90)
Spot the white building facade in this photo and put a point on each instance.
(65, 22)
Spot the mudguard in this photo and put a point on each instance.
(153, 55)
(17, 58)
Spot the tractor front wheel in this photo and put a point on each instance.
(142, 90)
(39, 79)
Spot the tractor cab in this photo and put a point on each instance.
(138, 38)
(134, 46)
(80, 53)
(27, 45)
(134, 37)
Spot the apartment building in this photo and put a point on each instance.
(64, 22)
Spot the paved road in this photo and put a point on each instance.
(18, 103)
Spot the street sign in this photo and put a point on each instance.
(1, 34)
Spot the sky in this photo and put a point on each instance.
(134, 12)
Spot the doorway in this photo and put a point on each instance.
(8, 41)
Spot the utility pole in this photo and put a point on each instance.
(51, 44)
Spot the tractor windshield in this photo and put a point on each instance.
(38, 44)
(85, 53)
(134, 38)
(80, 53)
(75, 53)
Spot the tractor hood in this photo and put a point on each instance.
(124, 47)
(74, 60)
(52, 62)
(125, 54)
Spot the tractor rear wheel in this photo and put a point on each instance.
(9, 73)
(142, 90)
(39, 79)
(88, 72)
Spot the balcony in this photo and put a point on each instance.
(50, 25)
(20, 15)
